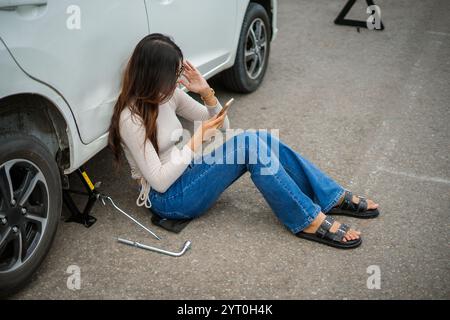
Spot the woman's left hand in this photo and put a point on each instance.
(194, 81)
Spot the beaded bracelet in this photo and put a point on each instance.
(211, 94)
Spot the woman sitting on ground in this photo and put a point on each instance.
(178, 182)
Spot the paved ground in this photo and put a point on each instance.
(370, 108)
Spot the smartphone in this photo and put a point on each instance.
(225, 108)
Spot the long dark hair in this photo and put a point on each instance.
(150, 78)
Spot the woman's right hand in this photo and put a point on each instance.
(206, 130)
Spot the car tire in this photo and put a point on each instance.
(28, 223)
(241, 77)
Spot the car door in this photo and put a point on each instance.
(78, 47)
(204, 29)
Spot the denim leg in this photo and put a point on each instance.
(200, 186)
(311, 180)
(293, 207)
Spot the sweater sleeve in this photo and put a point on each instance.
(192, 110)
(159, 176)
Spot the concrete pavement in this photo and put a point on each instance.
(370, 108)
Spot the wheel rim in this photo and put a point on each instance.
(24, 205)
(255, 48)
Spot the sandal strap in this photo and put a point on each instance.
(340, 233)
(344, 227)
(337, 236)
(362, 205)
(324, 230)
(325, 226)
(347, 203)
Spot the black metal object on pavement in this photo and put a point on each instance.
(340, 19)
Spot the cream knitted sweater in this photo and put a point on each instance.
(161, 171)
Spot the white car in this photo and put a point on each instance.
(60, 69)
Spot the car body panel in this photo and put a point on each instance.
(206, 36)
(47, 61)
(55, 47)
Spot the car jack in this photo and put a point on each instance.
(83, 217)
(93, 195)
(87, 220)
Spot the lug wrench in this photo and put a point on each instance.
(186, 246)
(103, 197)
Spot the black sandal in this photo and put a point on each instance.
(351, 209)
(333, 239)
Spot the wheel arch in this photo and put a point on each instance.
(36, 115)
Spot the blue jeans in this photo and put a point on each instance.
(295, 189)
